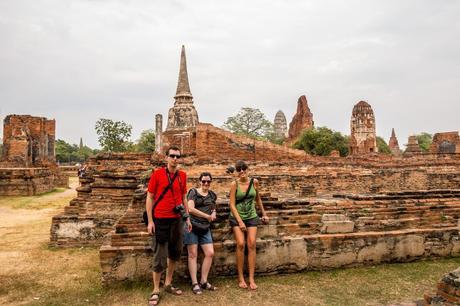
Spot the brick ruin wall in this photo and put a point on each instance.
(448, 290)
(445, 143)
(28, 141)
(103, 196)
(207, 144)
(28, 165)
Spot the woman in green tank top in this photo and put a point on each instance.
(244, 196)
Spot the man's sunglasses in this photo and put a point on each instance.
(205, 182)
(241, 169)
(174, 156)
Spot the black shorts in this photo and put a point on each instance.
(166, 242)
(249, 222)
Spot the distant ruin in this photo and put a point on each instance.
(362, 139)
(303, 119)
(280, 125)
(445, 143)
(393, 144)
(28, 164)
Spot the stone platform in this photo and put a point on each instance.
(31, 181)
(391, 228)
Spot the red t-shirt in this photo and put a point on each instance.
(158, 182)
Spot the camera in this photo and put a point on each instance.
(180, 209)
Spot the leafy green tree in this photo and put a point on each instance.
(250, 122)
(424, 141)
(146, 142)
(321, 141)
(382, 146)
(114, 135)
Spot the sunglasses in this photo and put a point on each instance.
(174, 156)
(205, 182)
(241, 169)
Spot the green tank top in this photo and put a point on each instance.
(247, 208)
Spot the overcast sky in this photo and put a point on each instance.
(77, 61)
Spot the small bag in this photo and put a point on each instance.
(199, 228)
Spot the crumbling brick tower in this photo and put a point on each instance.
(28, 141)
(303, 119)
(182, 117)
(362, 138)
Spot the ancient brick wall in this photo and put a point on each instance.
(28, 141)
(26, 181)
(445, 143)
(448, 290)
(391, 228)
(104, 194)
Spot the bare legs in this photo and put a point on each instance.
(208, 250)
(240, 244)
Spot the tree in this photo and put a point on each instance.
(321, 141)
(71, 153)
(250, 122)
(424, 141)
(382, 146)
(146, 142)
(113, 135)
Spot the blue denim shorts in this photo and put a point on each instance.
(192, 238)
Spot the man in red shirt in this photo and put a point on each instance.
(166, 224)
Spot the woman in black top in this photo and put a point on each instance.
(202, 208)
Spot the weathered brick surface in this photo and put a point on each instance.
(448, 142)
(102, 198)
(28, 166)
(303, 119)
(448, 290)
(28, 141)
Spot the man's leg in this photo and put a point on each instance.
(156, 281)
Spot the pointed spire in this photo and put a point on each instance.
(183, 88)
(393, 133)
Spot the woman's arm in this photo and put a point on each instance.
(197, 212)
(259, 201)
(233, 209)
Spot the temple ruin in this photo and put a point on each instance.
(412, 147)
(183, 114)
(280, 125)
(362, 139)
(302, 120)
(28, 164)
(325, 212)
(445, 143)
(393, 144)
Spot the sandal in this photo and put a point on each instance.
(208, 286)
(196, 288)
(173, 290)
(154, 298)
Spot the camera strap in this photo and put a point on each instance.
(247, 191)
(171, 182)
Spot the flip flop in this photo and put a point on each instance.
(208, 286)
(154, 298)
(196, 288)
(173, 290)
